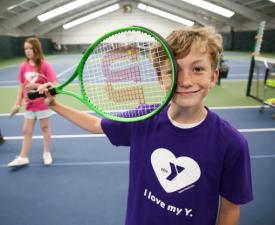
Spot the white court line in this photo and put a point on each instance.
(66, 71)
(9, 81)
(103, 135)
(236, 107)
(58, 136)
(58, 76)
(104, 163)
(9, 86)
(262, 156)
(215, 108)
(22, 114)
(257, 130)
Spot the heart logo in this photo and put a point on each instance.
(174, 174)
(31, 77)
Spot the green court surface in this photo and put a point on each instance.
(10, 97)
(230, 93)
(8, 62)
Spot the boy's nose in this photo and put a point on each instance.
(184, 79)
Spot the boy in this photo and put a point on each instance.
(186, 163)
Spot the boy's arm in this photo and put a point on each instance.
(229, 213)
(83, 120)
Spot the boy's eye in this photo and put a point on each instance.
(198, 69)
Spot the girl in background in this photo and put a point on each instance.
(33, 72)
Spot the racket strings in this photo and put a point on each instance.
(122, 75)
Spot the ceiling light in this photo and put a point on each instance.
(165, 14)
(11, 7)
(272, 1)
(16, 5)
(91, 16)
(211, 7)
(62, 9)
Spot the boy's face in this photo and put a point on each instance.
(195, 78)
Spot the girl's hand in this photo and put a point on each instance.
(31, 86)
(14, 110)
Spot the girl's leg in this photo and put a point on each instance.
(46, 131)
(27, 137)
(22, 159)
(45, 128)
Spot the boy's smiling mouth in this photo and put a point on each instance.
(187, 92)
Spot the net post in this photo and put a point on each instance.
(266, 75)
(257, 48)
(251, 70)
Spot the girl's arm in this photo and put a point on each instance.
(20, 95)
(19, 99)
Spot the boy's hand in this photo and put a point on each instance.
(50, 100)
(15, 109)
(44, 88)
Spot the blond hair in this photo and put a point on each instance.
(205, 38)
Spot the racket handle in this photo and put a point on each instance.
(35, 94)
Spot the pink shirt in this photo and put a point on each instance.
(28, 74)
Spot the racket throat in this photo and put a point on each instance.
(53, 91)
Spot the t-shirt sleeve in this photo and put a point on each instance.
(51, 75)
(21, 77)
(119, 133)
(236, 184)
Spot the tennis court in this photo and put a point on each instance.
(89, 179)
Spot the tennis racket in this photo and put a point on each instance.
(128, 74)
(32, 81)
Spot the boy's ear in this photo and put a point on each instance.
(214, 77)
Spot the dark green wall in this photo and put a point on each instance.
(233, 41)
(245, 41)
(13, 46)
(8, 47)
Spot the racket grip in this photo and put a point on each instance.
(35, 94)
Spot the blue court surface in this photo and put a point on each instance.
(88, 182)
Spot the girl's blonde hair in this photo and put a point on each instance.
(37, 50)
(205, 38)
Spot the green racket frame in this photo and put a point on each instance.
(79, 72)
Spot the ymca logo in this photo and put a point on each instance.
(175, 170)
(174, 174)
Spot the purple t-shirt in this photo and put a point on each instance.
(177, 175)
